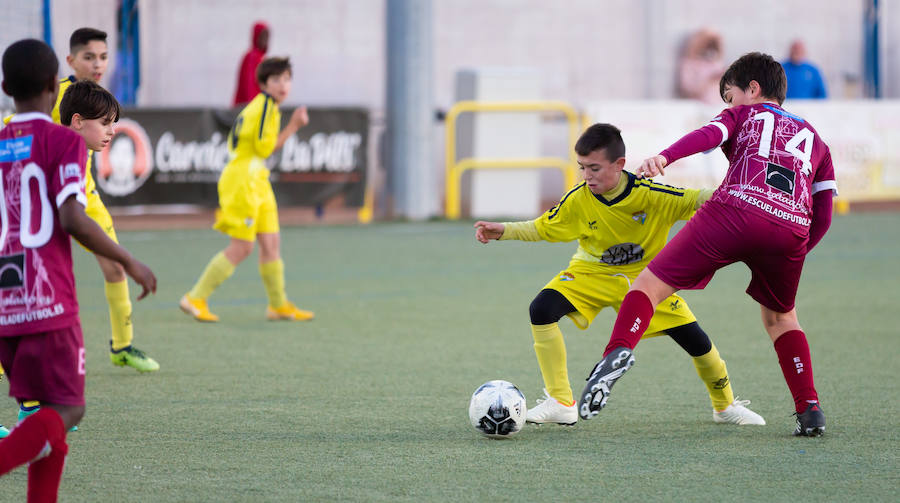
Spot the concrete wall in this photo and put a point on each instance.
(192, 49)
(586, 49)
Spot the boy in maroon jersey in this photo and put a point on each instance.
(41, 204)
(771, 209)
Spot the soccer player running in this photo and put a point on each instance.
(771, 209)
(42, 169)
(620, 222)
(247, 208)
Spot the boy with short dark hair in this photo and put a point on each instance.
(41, 345)
(247, 208)
(88, 58)
(620, 223)
(772, 208)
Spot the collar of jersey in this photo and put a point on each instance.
(30, 116)
(71, 78)
(621, 191)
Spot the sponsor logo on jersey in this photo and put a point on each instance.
(12, 271)
(592, 225)
(567, 276)
(639, 217)
(623, 253)
(126, 163)
(15, 149)
(675, 304)
(780, 178)
(70, 170)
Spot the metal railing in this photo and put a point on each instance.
(455, 168)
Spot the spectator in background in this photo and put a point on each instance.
(247, 87)
(804, 81)
(701, 67)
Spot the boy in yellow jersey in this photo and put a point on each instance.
(88, 57)
(620, 222)
(247, 208)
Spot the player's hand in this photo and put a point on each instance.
(652, 166)
(143, 276)
(300, 117)
(486, 231)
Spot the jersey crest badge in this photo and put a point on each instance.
(639, 217)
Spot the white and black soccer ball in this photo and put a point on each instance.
(497, 409)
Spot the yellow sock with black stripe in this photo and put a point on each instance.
(550, 349)
(272, 274)
(711, 369)
(217, 271)
(119, 314)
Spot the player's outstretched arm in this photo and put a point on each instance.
(486, 231)
(75, 222)
(298, 119)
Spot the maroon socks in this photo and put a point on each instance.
(796, 365)
(42, 430)
(632, 321)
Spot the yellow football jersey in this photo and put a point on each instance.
(63, 85)
(255, 132)
(621, 235)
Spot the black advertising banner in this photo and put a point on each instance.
(175, 156)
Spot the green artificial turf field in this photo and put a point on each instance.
(368, 401)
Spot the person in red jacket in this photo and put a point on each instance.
(247, 88)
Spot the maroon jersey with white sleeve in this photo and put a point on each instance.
(41, 166)
(777, 162)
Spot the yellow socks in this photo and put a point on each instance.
(711, 369)
(551, 355)
(119, 314)
(217, 271)
(272, 274)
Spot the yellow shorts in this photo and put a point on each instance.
(590, 293)
(247, 204)
(97, 211)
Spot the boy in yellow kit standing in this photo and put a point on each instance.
(88, 58)
(247, 208)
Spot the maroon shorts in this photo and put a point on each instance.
(47, 367)
(719, 235)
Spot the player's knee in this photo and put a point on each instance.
(238, 250)
(771, 318)
(71, 414)
(548, 307)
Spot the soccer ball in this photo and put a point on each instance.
(497, 409)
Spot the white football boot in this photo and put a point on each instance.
(738, 413)
(549, 410)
